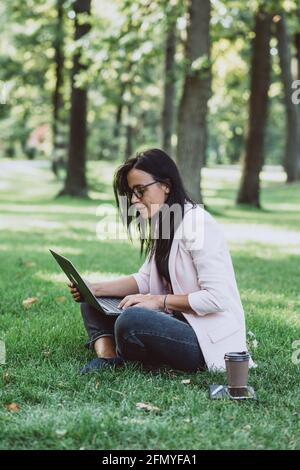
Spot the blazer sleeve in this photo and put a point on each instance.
(210, 258)
(142, 277)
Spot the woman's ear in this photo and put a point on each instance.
(167, 187)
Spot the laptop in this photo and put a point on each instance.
(105, 305)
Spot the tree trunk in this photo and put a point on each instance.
(192, 113)
(292, 146)
(297, 45)
(258, 111)
(169, 87)
(119, 112)
(76, 184)
(58, 104)
(118, 122)
(129, 133)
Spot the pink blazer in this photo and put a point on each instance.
(200, 265)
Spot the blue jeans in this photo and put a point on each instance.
(147, 336)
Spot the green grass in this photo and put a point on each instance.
(45, 344)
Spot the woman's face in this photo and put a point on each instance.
(152, 197)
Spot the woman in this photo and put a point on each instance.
(182, 308)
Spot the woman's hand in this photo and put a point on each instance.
(153, 302)
(75, 292)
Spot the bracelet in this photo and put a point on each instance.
(165, 304)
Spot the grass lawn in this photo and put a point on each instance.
(58, 409)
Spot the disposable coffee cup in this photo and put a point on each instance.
(237, 366)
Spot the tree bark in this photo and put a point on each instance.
(76, 184)
(297, 45)
(292, 147)
(118, 121)
(258, 111)
(120, 108)
(129, 133)
(58, 104)
(169, 87)
(192, 115)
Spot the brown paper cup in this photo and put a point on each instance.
(237, 366)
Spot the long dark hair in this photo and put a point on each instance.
(163, 169)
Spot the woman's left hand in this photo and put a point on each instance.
(153, 302)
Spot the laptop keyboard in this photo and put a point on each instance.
(111, 304)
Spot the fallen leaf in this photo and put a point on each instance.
(13, 407)
(30, 264)
(117, 391)
(6, 377)
(61, 432)
(186, 381)
(147, 407)
(46, 353)
(28, 302)
(61, 298)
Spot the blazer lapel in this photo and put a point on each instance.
(172, 271)
(173, 254)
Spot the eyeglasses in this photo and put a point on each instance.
(139, 190)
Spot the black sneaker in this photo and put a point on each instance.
(99, 362)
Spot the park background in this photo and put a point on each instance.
(84, 85)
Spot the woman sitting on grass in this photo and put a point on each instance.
(182, 308)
